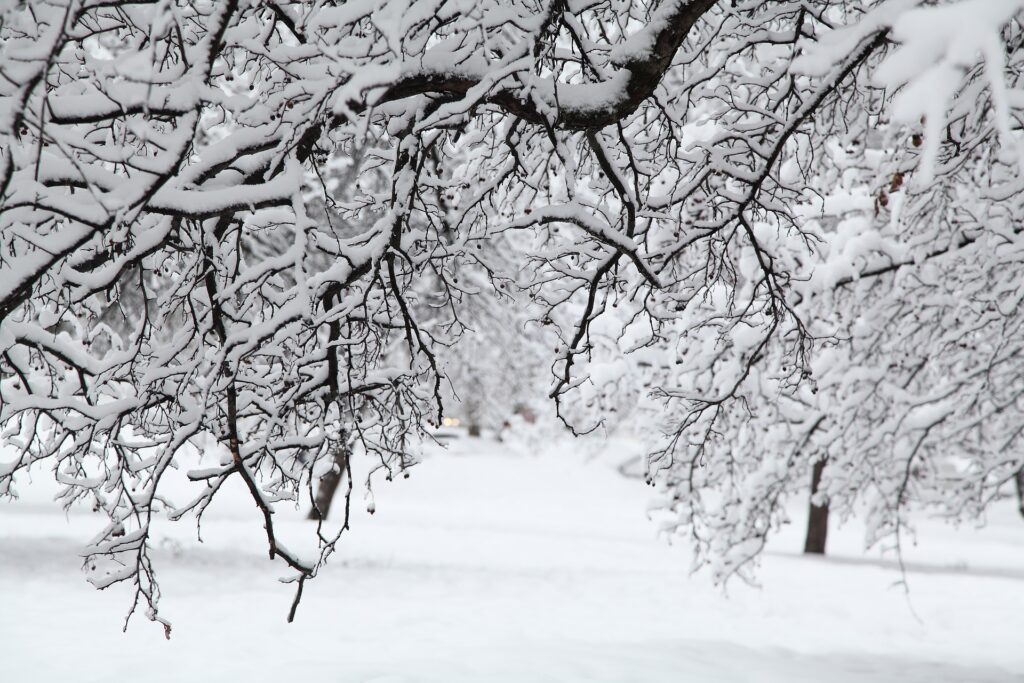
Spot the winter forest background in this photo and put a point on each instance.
(521, 339)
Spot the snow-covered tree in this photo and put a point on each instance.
(282, 202)
(893, 366)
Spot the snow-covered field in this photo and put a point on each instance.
(494, 565)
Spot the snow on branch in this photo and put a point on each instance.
(240, 238)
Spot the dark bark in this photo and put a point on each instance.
(1019, 478)
(643, 74)
(329, 483)
(817, 519)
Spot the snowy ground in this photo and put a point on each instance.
(488, 565)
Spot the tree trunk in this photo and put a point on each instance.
(817, 519)
(1020, 489)
(329, 482)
